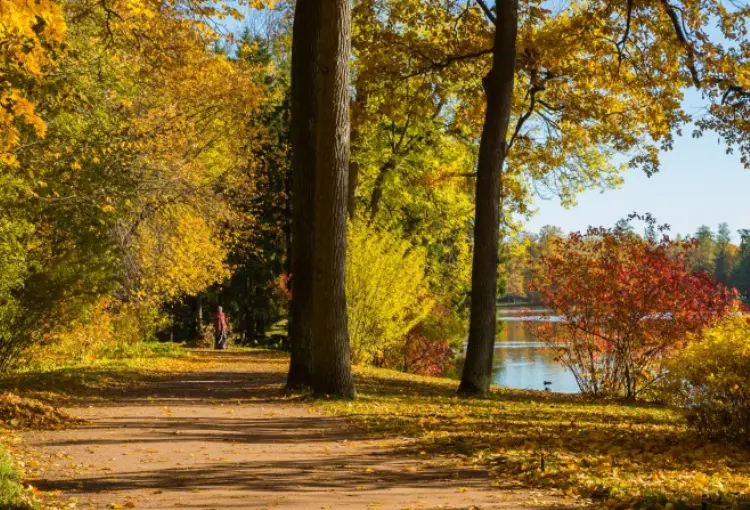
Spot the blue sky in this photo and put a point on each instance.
(699, 184)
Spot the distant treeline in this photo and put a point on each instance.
(713, 252)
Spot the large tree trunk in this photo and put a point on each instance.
(287, 267)
(332, 374)
(304, 106)
(477, 370)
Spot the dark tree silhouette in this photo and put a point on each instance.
(304, 103)
(498, 85)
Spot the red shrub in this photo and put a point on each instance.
(624, 303)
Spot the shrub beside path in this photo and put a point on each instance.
(224, 434)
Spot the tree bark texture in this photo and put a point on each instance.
(332, 358)
(475, 379)
(304, 110)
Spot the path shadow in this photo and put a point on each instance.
(224, 380)
(338, 472)
(346, 473)
(165, 429)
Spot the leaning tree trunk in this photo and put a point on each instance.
(477, 370)
(304, 97)
(377, 190)
(332, 373)
(351, 204)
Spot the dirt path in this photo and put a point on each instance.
(225, 438)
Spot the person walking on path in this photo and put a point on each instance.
(220, 330)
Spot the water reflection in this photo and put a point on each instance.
(522, 362)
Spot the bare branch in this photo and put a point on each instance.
(447, 61)
(487, 11)
(624, 40)
(534, 88)
(680, 33)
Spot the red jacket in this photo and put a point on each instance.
(220, 322)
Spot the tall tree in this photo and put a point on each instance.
(492, 151)
(702, 256)
(332, 357)
(305, 36)
(726, 253)
(741, 272)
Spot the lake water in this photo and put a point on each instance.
(523, 362)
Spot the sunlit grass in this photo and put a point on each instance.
(624, 456)
(13, 495)
(71, 378)
(62, 377)
(627, 456)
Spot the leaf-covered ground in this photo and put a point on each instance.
(219, 431)
(624, 456)
(25, 413)
(58, 382)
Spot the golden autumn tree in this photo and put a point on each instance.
(146, 130)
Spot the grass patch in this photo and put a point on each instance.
(117, 353)
(623, 456)
(62, 378)
(13, 495)
(104, 378)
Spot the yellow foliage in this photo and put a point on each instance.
(27, 32)
(709, 378)
(177, 252)
(106, 330)
(128, 190)
(386, 290)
